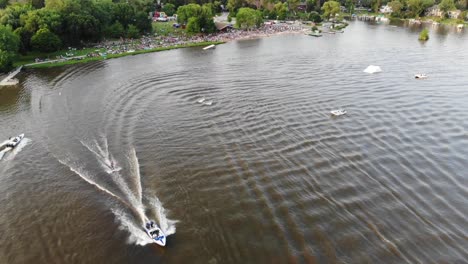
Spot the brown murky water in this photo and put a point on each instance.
(264, 174)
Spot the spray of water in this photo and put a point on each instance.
(132, 196)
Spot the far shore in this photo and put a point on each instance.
(120, 48)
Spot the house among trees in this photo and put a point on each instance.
(223, 27)
(386, 9)
(435, 11)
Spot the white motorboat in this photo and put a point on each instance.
(209, 47)
(13, 142)
(208, 103)
(338, 112)
(373, 69)
(201, 101)
(155, 233)
(420, 76)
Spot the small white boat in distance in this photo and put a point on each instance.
(338, 112)
(209, 47)
(372, 69)
(201, 101)
(208, 103)
(155, 233)
(420, 76)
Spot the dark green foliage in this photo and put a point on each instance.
(203, 15)
(45, 41)
(193, 26)
(169, 9)
(3, 3)
(424, 35)
(115, 30)
(8, 47)
(132, 31)
(248, 18)
(315, 17)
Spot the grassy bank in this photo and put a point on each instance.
(111, 56)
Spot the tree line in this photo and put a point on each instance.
(48, 25)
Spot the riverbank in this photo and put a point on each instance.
(125, 47)
(85, 59)
(424, 19)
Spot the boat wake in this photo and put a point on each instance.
(129, 194)
(107, 161)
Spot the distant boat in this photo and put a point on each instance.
(201, 101)
(209, 47)
(338, 112)
(420, 76)
(372, 69)
(208, 103)
(315, 34)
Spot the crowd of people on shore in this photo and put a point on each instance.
(150, 42)
(159, 41)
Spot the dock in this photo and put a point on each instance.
(209, 47)
(9, 79)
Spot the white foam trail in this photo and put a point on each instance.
(83, 175)
(167, 225)
(136, 234)
(3, 152)
(135, 169)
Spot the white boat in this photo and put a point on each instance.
(201, 101)
(155, 233)
(372, 69)
(338, 112)
(209, 47)
(13, 142)
(420, 76)
(208, 103)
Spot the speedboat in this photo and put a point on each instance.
(155, 233)
(13, 142)
(420, 76)
(201, 100)
(208, 103)
(338, 112)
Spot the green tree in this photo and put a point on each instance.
(169, 9)
(187, 11)
(124, 13)
(310, 5)
(292, 5)
(280, 10)
(12, 14)
(248, 18)
(3, 3)
(417, 7)
(330, 9)
(115, 30)
(37, 3)
(396, 7)
(45, 41)
(203, 14)
(8, 47)
(193, 26)
(315, 17)
(446, 5)
(132, 31)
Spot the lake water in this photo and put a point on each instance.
(264, 174)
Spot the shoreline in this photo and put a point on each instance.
(122, 48)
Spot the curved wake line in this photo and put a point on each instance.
(134, 167)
